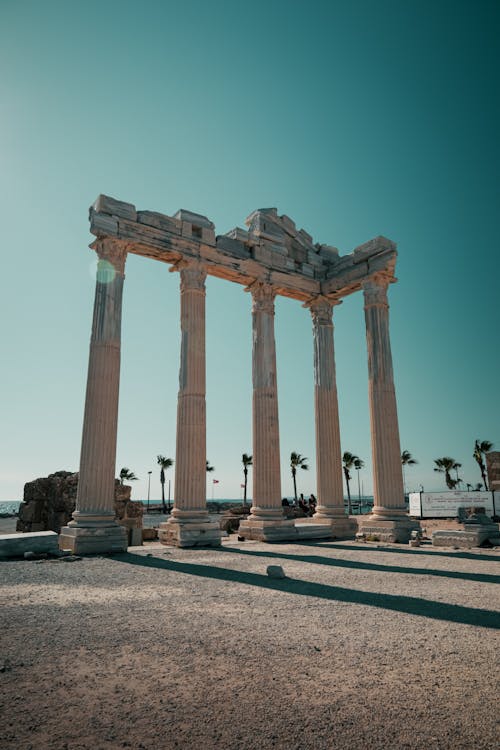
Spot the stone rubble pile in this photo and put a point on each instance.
(49, 502)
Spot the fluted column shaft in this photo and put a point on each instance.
(190, 471)
(386, 452)
(328, 451)
(266, 439)
(96, 484)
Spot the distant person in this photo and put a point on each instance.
(303, 505)
(285, 502)
(312, 504)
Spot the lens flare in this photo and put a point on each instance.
(105, 272)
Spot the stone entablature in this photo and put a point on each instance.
(272, 249)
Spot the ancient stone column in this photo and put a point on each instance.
(94, 528)
(388, 520)
(190, 525)
(266, 521)
(330, 507)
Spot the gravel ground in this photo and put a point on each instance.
(361, 646)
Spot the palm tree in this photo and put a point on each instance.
(349, 459)
(480, 448)
(358, 465)
(165, 463)
(209, 468)
(126, 474)
(456, 467)
(297, 462)
(406, 460)
(246, 461)
(444, 466)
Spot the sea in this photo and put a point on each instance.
(11, 507)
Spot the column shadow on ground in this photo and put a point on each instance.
(400, 550)
(407, 604)
(358, 565)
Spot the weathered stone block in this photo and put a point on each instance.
(237, 234)
(471, 536)
(187, 229)
(297, 252)
(160, 221)
(307, 270)
(232, 247)
(178, 534)
(329, 253)
(107, 205)
(289, 225)
(49, 502)
(197, 220)
(262, 255)
(103, 225)
(88, 541)
(208, 236)
(314, 259)
(305, 238)
(15, 545)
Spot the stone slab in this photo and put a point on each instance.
(15, 545)
(468, 538)
(283, 531)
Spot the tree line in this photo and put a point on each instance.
(444, 465)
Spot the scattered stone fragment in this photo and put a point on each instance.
(31, 555)
(275, 571)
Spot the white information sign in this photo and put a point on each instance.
(446, 504)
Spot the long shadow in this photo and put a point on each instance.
(357, 565)
(410, 605)
(401, 550)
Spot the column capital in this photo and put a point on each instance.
(321, 309)
(375, 290)
(263, 295)
(112, 251)
(193, 274)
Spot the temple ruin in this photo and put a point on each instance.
(271, 257)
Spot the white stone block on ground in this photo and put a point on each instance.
(39, 542)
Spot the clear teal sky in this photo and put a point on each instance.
(355, 118)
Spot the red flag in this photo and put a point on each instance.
(242, 486)
(215, 481)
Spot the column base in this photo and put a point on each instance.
(186, 532)
(342, 526)
(93, 540)
(267, 526)
(394, 526)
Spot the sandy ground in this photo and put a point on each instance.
(361, 646)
